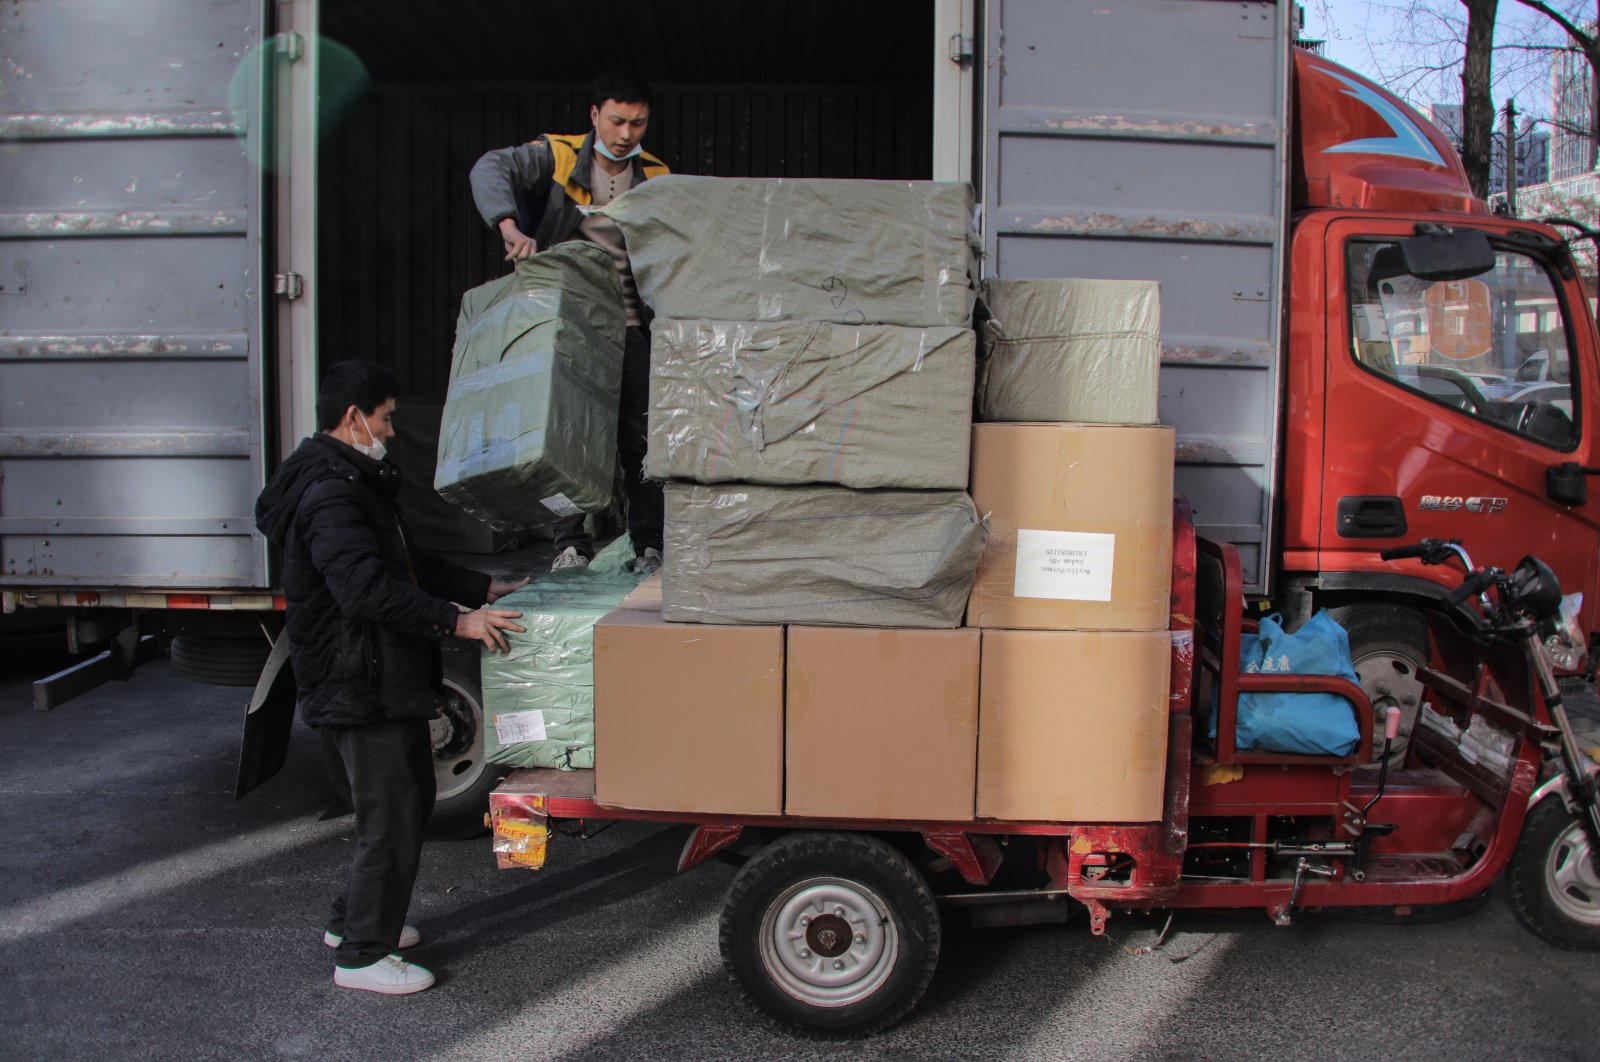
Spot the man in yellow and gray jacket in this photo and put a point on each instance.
(539, 194)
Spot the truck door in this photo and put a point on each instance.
(1447, 403)
(131, 293)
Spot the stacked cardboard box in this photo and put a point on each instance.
(1073, 591)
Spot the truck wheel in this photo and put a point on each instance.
(220, 661)
(1388, 644)
(1553, 882)
(833, 935)
(463, 777)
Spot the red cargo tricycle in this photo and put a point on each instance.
(832, 926)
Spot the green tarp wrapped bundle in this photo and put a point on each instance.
(829, 556)
(545, 684)
(762, 249)
(1085, 351)
(433, 523)
(807, 402)
(530, 421)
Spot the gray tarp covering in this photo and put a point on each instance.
(852, 252)
(1087, 351)
(550, 668)
(819, 555)
(530, 423)
(802, 402)
(433, 523)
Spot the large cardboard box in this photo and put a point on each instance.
(1072, 725)
(1080, 526)
(882, 724)
(688, 718)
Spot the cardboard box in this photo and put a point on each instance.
(882, 724)
(646, 597)
(1080, 526)
(688, 718)
(1072, 725)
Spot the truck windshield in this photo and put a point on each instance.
(1494, 347)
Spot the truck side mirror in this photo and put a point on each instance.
(1438, 253)
(1565, 483)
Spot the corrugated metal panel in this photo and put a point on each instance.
(400, 239)
(1147, 139)
(130, 355)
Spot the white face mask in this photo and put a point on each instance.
(599, 145)
(374, 449)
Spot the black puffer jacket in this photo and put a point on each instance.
(366, 611)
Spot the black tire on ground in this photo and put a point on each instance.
(1388, 643)
(462, 776)
(832, 935)
(1554, 885)
(220, 661)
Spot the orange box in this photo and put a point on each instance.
(882, 724)
(1072, 725)
(687, 717)
(1080, 526)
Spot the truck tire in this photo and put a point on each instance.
(831, 935)
(463, 778)
(1388, 643)
(220, 661)
(1554, 885)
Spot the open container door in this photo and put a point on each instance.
(131, 359)
(1148, 139)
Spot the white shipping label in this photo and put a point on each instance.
(1067, 565)
(513, 727)
(561, 505)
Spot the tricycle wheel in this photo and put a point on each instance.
(832, 935)
(1553, 881)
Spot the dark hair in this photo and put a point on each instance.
(622, 87)
(363, 384)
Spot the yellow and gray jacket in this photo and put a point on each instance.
(544, 184)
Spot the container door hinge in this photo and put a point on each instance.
(960, 49)
(290, 45)
(289, 285)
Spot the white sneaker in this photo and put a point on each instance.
(569, 558)
(409, 938)
(389, 976)
(648, 562)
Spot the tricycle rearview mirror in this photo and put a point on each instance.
(1438, 253)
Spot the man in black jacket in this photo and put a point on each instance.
(366, 614)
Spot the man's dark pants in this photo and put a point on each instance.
(646, 508)
(390, 767)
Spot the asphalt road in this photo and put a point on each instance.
(145, 914)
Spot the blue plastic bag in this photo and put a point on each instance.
(1309, 724)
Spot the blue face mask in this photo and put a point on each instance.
(599, 145)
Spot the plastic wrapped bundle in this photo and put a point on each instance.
(826, 556)
(538, 699)
(530, 421)
(801, 402)
(758, 249)
(432, 522)
(1084, 351)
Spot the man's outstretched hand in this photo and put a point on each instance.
(518, 244)
(499, 588)
(485, 624)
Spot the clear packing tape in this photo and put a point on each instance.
(810, 402)
(530, 420)
(755, 249)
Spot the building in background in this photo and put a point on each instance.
(1533, 148)
(1571, 82)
